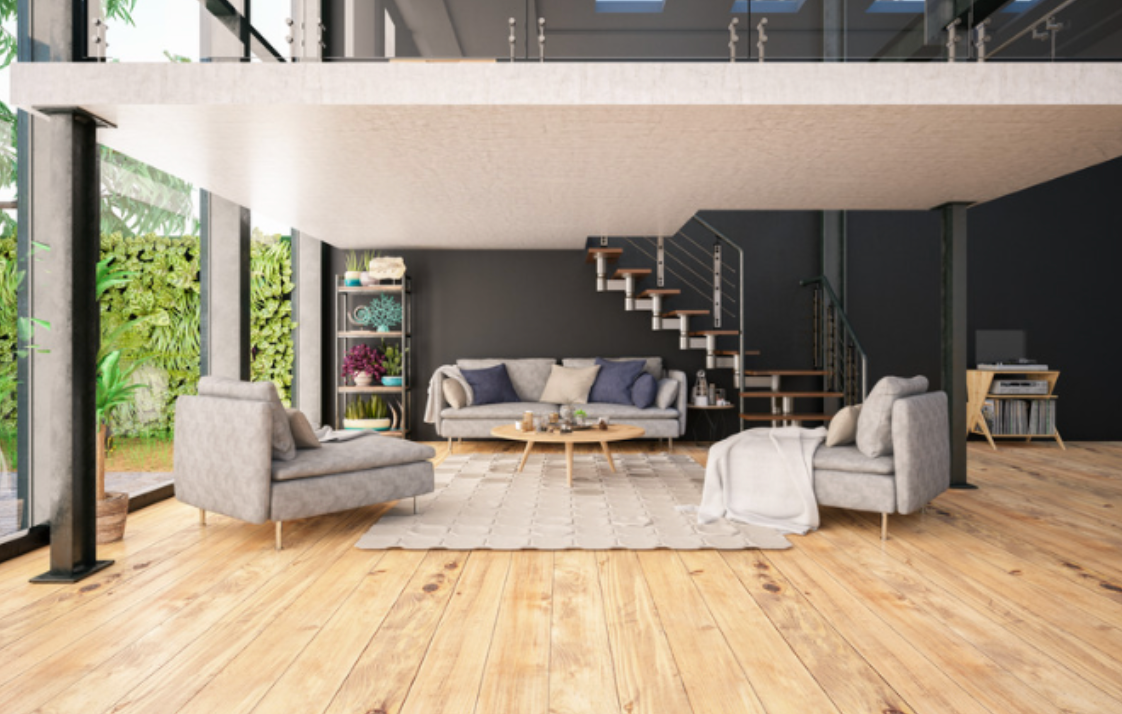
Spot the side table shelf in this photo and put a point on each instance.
(979, 382)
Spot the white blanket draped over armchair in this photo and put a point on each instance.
(764, 477)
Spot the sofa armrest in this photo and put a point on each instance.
(437, 400)
(922, 450)
(223, 456)
(683, 398)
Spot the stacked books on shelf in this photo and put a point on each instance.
(1020, 416)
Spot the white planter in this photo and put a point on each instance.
(375, 424)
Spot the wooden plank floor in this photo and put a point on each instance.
(1005, 599)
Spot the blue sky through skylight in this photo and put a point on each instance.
(629, 5)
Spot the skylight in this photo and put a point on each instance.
(769, 6)
(629, 5)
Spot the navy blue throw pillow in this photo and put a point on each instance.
(490, 386)
(644, 391)
(614, 381)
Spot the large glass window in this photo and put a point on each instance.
(12, 497)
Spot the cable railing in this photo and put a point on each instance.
(837, 350)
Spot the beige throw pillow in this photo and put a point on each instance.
(843, 427)
(455, 394)
(569, 385)
(302, 431)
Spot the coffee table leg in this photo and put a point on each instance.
(569, 462)
(608, 456)
(525, 455)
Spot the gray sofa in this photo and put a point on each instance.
(224, 461)
(917, 470)
(529, 377)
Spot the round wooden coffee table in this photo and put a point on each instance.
(614, 432)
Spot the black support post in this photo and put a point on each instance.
(74, 507)
(954, 334)
(224, 256)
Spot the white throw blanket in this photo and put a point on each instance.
(435, 401)
(764, 477)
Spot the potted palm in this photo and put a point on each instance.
(113, 390)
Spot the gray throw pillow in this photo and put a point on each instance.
(843, 427)
(302, 432)
(569, 385)
(454, 394)
(527, 375)
(284, 446)
(667, 396)
(874, 423)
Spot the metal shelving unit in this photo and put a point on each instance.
(346, 300)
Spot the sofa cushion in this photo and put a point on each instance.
(652, 365)
(454, 394)
(644, 391)
(340, 457)
(284, 446)
(527, 375)
(627, 411)
(874, 424)
(851, 460)
(613, 383)
(569, 385)
(509, 410)
(490, 385)
(302, 432)
(843, 427)
(667, 393)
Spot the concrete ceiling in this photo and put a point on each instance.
(517, 156)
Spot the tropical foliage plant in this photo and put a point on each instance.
(270, 324)
(364, 359)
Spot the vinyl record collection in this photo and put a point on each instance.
(1020, 416)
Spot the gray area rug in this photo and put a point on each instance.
(480, 502)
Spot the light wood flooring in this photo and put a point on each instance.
(1007, 599)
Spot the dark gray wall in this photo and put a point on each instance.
(1043, 260)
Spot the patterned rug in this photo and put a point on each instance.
(480, 502)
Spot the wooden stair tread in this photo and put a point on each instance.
(786, 417)
(718, 333)
(793, 395)
(679, 313)
(621, 273)
(660, 291)
(612, 254)
(732, 353)
(786, 373)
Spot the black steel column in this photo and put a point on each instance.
(74, 507)
(954, 334)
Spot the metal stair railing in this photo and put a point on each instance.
(837, 350)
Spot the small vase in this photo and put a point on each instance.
(363, 379)
(366, 279)
(394, 381)
(383, 328)
(352, 278)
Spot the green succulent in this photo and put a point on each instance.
(394, 355)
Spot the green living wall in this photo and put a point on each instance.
(164, 297)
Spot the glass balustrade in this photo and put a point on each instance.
(606, 30)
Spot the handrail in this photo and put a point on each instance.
(740, 308)
(824, 282)
(1044, 18)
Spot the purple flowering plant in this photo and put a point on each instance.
(363, 358)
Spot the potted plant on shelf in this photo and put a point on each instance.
(364, 364)
(367, 413)
(352, 278)
(392, 364)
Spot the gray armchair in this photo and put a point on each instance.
(917, 470)
(224, 461)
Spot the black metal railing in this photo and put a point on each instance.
(837, 350)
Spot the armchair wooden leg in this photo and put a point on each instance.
(884, 526)
(280, 535)
(202, 517)
(449, 446)
(670, 448)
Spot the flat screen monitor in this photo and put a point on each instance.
(992, 346)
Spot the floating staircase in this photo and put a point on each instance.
(839, 362)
